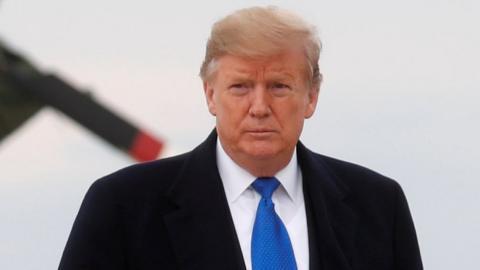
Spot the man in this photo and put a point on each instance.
(251, 196)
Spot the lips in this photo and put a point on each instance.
(260, 130)
(261, 133)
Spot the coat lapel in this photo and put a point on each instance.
(201, 230)
(331, 223)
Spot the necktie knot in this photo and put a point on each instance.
(265, 186)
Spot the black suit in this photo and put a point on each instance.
(173, 214)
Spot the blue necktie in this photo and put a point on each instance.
(271, 246)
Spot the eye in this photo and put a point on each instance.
(239, 88)
(280, 89)
(279, 85)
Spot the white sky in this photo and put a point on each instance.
(400, 96)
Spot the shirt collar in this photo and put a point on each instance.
(236, 179)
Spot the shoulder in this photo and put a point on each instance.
(361, 183)
(141, 181)
(367, 192)
(353, 174)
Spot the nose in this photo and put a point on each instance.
(260, 102)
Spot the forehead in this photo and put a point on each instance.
(290, 63)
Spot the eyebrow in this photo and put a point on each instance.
(241, 74)
(245, 74)
(276, 74)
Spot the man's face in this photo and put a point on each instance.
(260, 104)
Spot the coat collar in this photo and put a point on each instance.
(331, 222)
(202, 231)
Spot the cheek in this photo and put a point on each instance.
(231, 111)
(291, 110)
(291, 116)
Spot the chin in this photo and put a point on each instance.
(262, 150)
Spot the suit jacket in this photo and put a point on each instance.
(173, 214)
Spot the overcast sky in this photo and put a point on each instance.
(400, 95)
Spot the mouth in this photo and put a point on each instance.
(260, 132)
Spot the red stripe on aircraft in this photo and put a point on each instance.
(145, 147)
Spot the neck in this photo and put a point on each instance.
(262, 166)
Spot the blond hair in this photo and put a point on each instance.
(261, 32)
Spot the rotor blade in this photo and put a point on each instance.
(24, 90)
(16, 106)
(82, 108)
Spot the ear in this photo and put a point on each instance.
(313, 93)
(208, 90)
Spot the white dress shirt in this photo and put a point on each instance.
(243, 202)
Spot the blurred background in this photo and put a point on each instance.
(400, 96)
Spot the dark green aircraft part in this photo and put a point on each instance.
(16, 106)
(24, 90)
